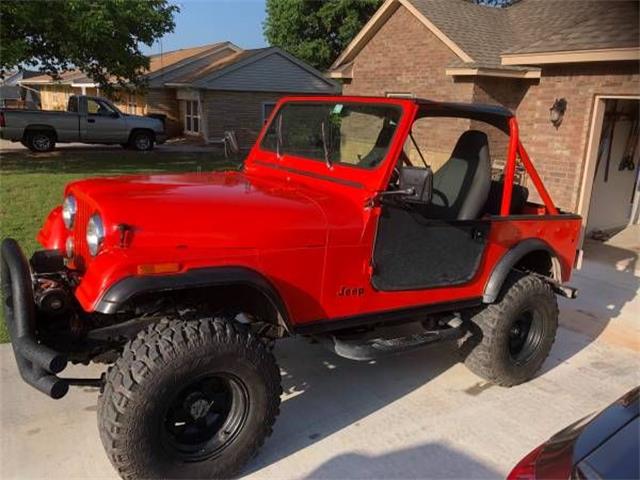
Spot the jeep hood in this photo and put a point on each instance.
(208, 210)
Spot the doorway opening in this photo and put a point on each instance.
(615, 190)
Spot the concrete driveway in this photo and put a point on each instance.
(419, 415)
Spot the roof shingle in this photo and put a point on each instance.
(531, 26)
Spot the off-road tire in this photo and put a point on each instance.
(40, 141)
(156, 364)
(142, 141)
(487, 348)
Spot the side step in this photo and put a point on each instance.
(373, 348)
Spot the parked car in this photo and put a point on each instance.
(184, 282)
(603, 446)
(87, 120)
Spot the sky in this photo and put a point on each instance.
(208, 21)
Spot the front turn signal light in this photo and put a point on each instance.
(158, 268)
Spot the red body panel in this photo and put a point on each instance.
(303, 226)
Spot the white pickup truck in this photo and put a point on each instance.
(87, 120)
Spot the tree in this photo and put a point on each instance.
(100, 38)
(316, 31)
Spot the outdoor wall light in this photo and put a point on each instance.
(556, 112)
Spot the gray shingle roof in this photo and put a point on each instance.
(528, 26)
(575, 25)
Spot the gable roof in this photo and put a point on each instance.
(261, 69)
(502, 41)
(222, 66)
(158, 63)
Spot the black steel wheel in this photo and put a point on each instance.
(205, 416)
(510, 340)
(525, 336)
(189, 399)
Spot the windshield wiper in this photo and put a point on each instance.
(327, 160)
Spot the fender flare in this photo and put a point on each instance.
(124, 290)
(512, 257)
(38, 127)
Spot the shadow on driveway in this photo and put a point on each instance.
(431, 460)
(341, 392)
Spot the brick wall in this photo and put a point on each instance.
(404, 56)
(237, 111)
(498, 91)
(559, 154)
(163, 101)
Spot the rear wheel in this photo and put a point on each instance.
(511, 339)
(189, 400)
(41, 141)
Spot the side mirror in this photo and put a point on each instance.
(417, 184)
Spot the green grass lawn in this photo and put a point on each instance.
(32, 184)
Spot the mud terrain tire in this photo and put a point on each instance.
(164, 375)
(511, 339)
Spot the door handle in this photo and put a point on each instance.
(91, 120)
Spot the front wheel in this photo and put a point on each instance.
(189, 400)
(142, 141)
(511, 339)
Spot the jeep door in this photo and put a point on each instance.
(439, 244)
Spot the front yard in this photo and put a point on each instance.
(31, 185)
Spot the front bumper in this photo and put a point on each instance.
(161, 138)
(37, 363)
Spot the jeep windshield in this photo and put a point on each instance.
(349, 134)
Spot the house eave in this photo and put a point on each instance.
(379, 19)
(533, 73)
(572, 56)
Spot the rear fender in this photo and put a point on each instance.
(510, 259)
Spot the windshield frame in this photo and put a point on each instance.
(331, 162)
(367, 178)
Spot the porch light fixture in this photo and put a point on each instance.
(556, 112)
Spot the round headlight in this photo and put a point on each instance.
(69, 210)
(95, 234)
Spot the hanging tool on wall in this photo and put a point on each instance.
(627, 162)
(606, 139)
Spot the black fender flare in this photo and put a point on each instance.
(512, 257)
(124, 290)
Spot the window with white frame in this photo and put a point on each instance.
(192, 116)
(267, 108)
(132, 104)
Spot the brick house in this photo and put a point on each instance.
(523, 57)
(203, 91)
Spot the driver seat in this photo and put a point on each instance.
(461, 186)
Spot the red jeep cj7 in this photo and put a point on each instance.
(335, 228)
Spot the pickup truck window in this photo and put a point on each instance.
(73, 105)
(349, 134)
(97, 107)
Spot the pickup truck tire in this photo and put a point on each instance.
(41, 141)
(513, 336)
(189, 399)
(142, 141)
